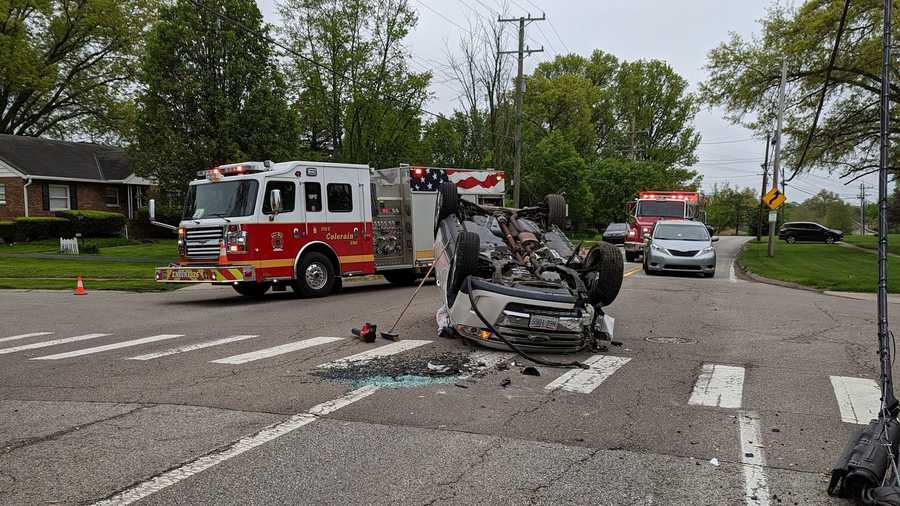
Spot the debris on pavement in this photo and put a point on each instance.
(438, 367)
(714, 461)
(531, 371)
(506, 382)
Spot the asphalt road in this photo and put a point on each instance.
(724, 391)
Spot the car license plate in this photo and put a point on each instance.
(541, 322)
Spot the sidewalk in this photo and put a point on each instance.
(892, 299)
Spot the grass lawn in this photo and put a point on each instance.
(823, 266)
(871, 242)
(120, 265)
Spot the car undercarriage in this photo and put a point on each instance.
(510, 278)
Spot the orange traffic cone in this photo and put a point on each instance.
(79, 287)
(223, 255)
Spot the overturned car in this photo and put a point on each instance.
(510, 278)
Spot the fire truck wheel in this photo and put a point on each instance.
(315, 276)
(251, 289)
(556, 210)
(605, 259)
(447, 202)
(401, 277)
(465, 262)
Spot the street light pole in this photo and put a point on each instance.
(765, 184)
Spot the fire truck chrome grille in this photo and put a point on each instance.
(203, 242)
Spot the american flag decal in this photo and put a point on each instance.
(471, 181)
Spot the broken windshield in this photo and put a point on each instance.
(221, 200)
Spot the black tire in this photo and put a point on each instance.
(447, 202)
(605, 259)
(405, 277)
(646, 268)
(709, 274)
(829, 239)
(556, 210)
(251, 289)
(790, 239)
(315, 276)
(465, 262)
(631, 256)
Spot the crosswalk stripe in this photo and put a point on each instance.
(23, 336)
(200, 464)
(719, 386)
(276, 350)
(192, 347)
(52, 342)
(585, 381)
(859, 399)
(381, 351)
(753, 460)
(107, 347)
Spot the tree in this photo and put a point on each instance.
(828, 209)
(211, 94)
(554, 166)
(745, 74)
(66, 67)
(730, 208)
(359, 101)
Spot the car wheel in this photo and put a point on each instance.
(315, 276)
(556, 210)
(646, 267)
(605, 259)
(401, 277)
(631, 256)
(829, 239)
(465, 262)
(790, 239)
(447, 202)
(251, 289)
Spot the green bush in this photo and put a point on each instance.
(141, 227)
(94, 223)
(89, 249)
(44, 227)
(7, 231)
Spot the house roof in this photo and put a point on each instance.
(37, 157)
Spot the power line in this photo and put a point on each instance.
(552, 27)
(734, 141)
(834, 53)
(423, 4)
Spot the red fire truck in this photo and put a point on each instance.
(260, 225)
(651, 206)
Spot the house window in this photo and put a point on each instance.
(2, 194)
(112, 196)
(59, 197)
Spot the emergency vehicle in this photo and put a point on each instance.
(306, 225)
(652, 206)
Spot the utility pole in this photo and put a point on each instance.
(862, 208)
(633, 155)
(765, 185)
(776, 165)
(523, 51)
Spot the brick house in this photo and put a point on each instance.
(40, 176)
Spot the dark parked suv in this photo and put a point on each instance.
(615, 233)
(808, 231)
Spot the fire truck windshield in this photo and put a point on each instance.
(221, 200)
(662, 208)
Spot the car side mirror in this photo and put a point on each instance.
(715, 238)
(275, 202)
(152, 209)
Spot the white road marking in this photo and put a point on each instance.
(756, 487)
(381, 351)
(719, 386)
(275, 350)
(731, 274)
(107, 347)
(52, 342)
(192, 347)
(858, 398)
(584, 381)
(171, 477)
(23, 336)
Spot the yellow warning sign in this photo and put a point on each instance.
(774, 199)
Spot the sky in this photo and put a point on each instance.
(680, 32)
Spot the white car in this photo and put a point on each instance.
(510, 276)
